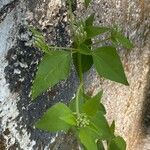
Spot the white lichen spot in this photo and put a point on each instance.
(17, 71)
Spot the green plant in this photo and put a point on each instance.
(83, 115)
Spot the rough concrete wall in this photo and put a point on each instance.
(128, 106)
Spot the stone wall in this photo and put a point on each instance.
(128, 106)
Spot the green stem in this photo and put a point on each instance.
(65, 48)
(77, 99)
(71, 17)
(80, 67)
(81, 84)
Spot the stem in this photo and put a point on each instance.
(81, 84)
(65, 48)
(70, 15)
(77, 99)
(80, 68)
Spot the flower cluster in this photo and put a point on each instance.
(80, 34)
(82, 120)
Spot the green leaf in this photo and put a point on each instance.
(84, 49)
(39, 43)
(70, 119)
(102, 108)
(39, 40)
(51, 121)
(101, 126)
(88, 42)
(89, 21)
(100, 145)
(36, 32)
(53, 68)
(118, 37)
(87, 138)
(118, 143)
(108, 64)
(92, 105)
(72, 103)
(93, 31)
(112, 127)
(86, 61)
(87, 2)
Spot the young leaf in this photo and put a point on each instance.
(93, 31)
(39, 40)
(118, 143)
(119, 38)
(92, 105)
(101, 125)
(87, 138)
(51, 121)
(87, 2)
(53, 68)
(86, 61)
(39, 43)
(36, 33)
(89, 21)
(108, 64)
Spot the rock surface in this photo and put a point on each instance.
(128, 106)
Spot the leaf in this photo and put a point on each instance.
(93, 31)
(102, 108)
(87, 138)
(39, 40)
(100, 145)
(92, 105)
(53, 68)
(87, 2)
(88, 42)
(89, 21)
(101, 125)
(108, 64)
(118, 143)
(118, 37)
(72, 103)
(112, 127)
(41, 45)
(84, 49)
(36, 32)
(51, 121)
(70, 119)
(86, 61)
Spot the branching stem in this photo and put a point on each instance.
(65, 48)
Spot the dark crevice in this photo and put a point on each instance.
(7, 9)
(146, 107)
(2, 143)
